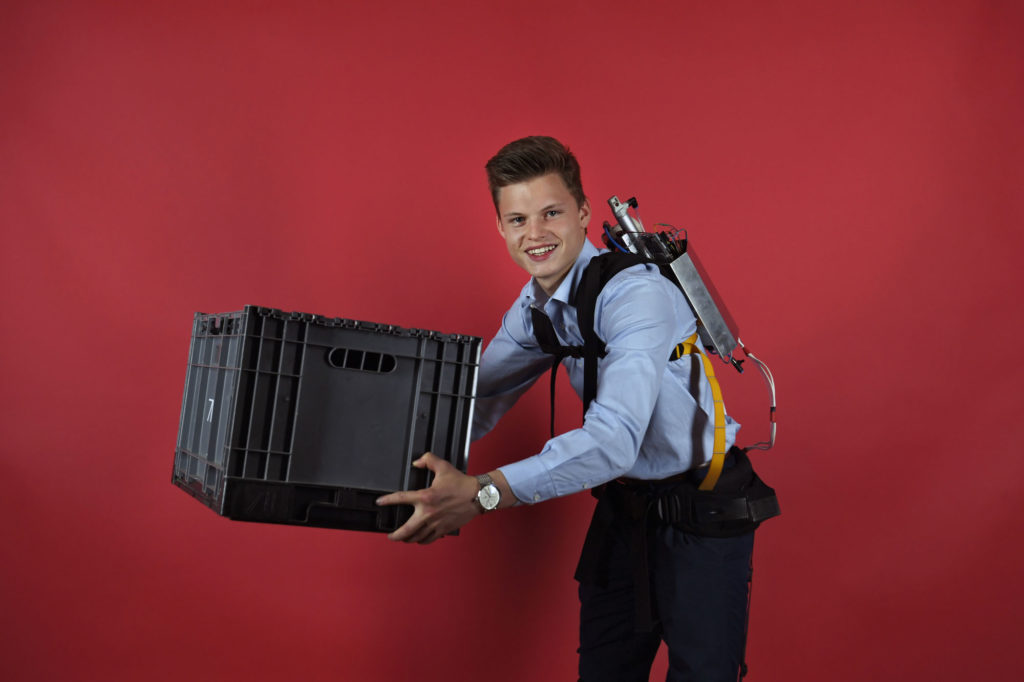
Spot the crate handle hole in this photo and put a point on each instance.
(367, 361)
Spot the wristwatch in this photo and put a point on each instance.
(488, 496)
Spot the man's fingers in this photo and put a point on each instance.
(407, 530)
(414, 530)
(432, 462)
(433, 507)
(424, 535)
(400, 497)
(418, 529)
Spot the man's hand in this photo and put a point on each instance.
(447, 505)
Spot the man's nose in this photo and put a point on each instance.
(535, 228)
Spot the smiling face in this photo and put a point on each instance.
(543, 226)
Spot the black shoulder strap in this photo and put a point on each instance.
(596, 275)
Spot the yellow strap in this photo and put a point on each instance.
(718, 456)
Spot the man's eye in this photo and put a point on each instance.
(516, 221)
(553, 213)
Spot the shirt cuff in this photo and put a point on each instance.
(529, 480)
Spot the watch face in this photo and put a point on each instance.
(488, 497)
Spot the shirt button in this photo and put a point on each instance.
(536, 497)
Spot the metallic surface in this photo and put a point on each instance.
(716, 327)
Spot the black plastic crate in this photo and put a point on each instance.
(301, 419)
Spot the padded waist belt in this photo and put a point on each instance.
(738, 507)
(684, 509)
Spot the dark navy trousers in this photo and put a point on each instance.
(700, 591)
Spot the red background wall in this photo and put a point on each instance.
(851, 173)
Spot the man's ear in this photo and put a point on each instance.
(585, 212)
(501, 228)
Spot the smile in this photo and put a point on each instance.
(540, 250)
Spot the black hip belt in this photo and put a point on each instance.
(738, 505)
(740, 502)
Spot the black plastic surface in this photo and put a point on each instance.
(300, 419)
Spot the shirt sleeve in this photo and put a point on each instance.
(636, 319)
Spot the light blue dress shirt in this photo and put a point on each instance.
(646, 421)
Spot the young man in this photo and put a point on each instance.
(642, 581)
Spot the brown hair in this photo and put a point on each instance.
(532, 157)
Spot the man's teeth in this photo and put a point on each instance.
(540, 251)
